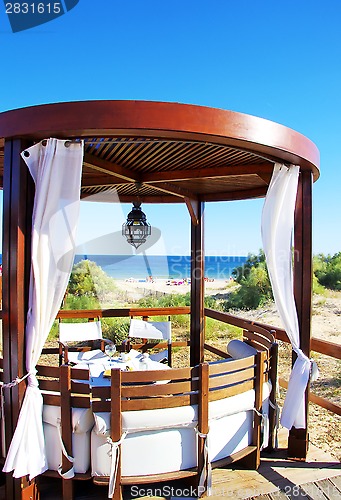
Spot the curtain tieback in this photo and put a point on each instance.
(314, 371)
(70, 473)
(115, 455)
(207, 467)
(17, 380)
(9, 385)
(264, 426)
(276, 409)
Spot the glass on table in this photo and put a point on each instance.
(110, 350)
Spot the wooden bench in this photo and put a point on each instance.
(156, 423)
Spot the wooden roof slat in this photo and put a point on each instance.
(176, 160)
(150, 157)
(109, 150)
(128, 150)
(193, 156)
(142, 150)
(172, 150)
(95, 146)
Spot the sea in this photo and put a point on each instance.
(141, 267)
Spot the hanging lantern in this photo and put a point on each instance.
(136, 229)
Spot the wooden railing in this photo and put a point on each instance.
(317, 345)
(123, 313)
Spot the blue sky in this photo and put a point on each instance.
(276, 59)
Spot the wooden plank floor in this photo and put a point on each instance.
(278, 477)
(319, 478)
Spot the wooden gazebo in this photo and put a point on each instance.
(178, 154)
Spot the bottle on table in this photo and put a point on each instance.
(144, 361)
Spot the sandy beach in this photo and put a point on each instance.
(142, 288)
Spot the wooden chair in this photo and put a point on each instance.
(84, 336)
(170, 406)
(66, 412)
(149, 331)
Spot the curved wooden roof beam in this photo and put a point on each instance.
(109, 168)
(155, 177)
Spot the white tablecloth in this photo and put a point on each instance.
(98, 362)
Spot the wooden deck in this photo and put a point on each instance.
(277, 478)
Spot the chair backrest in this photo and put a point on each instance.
(150, 330)
(90, 330)
(67, 388)
(229, 378)
(147, 390)
(155, 390)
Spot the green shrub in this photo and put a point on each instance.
(169, 300)
(89, 280)
(84, 302)
(243, 272)
(254, 291)
(327, 270)
(317, 287)
(115, 329)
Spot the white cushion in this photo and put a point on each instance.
(238, 349)
(82, 423)
(82, 418)
(231, 422)
(230, 434)
(80, 449)
(148, 420)
(237, 403)
(144, 453)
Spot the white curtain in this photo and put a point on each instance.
(277, 232)
(56, 167)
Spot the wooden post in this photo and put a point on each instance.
(197, 328)
(272, 398)
(16, 255)
(298, 438)
(66, 418)
(116, 424)
(202, 417)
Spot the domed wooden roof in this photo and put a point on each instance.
(173, 151)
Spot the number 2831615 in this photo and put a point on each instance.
(33, 8)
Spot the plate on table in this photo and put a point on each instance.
(107, 373)
(120, 360)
